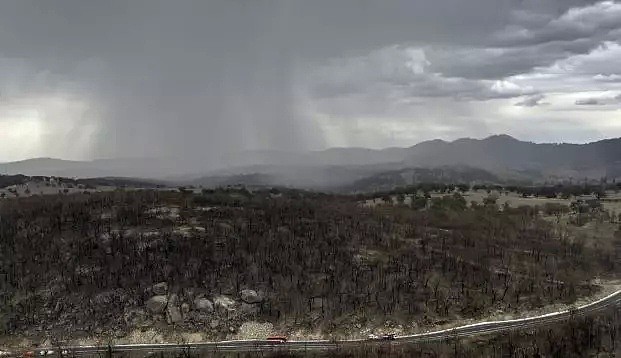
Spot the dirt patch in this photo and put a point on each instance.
(139, 336)
(254, 330)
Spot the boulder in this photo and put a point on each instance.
(160, 288)
(224, 304)
(157, 304)
(251, 296)
(185, 308)
(173, 314)
(203, 305)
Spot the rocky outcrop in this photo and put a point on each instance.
(204, 305)
(160, 288)
(224, 304)
(173, 313)
(251, 296)
(157, 304)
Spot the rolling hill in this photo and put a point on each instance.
(501, 156)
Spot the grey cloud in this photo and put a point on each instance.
(588, 102)
(605, 99)
(191, 79)
(404, 71)
(595, 71)
(613, 77)
(207, 77)
(602, 59)
(499, 62)
(532, 101)
(201, 78)
(469, 72)
(598, 19)
(535, 40)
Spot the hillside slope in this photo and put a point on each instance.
(501, 155)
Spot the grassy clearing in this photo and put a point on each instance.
(512, 199)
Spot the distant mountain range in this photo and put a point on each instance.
(496, 158)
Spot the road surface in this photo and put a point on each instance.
(611, 302)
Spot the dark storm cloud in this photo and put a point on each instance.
(532, 40)
(485, 71)
(404, 71)
(202, 78)
(195, 78)
(499, 62)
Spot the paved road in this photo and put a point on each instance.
(611, 302)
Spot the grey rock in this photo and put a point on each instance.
(173, 315)
(173, 299)
(214, 324)
(185, 308)
(251, 296)
(203, 305)
(160, 288)
(157, 304)
(224, 304)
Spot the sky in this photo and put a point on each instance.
(197, 79)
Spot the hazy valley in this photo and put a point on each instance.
(496, 159)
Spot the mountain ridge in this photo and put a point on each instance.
(501, 155)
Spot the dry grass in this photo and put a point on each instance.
(513, 199)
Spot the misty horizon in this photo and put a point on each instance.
(310, 151)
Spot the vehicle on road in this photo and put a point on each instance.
(383, 337)
(46, 352)
(277, 339)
